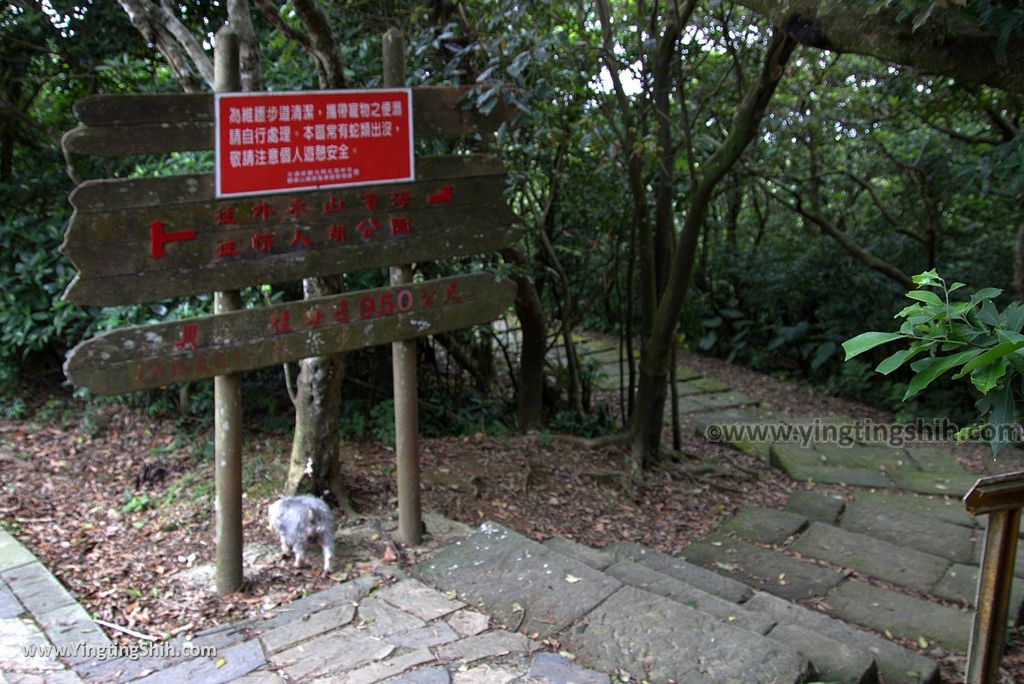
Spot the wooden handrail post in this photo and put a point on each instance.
(227, 389)
(403, 356)
(1000, 498)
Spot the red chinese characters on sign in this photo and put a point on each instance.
(278, 142)
(189, 334)
(363, 306)
(268, 221)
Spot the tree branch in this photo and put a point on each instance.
(884, 267)
(173, 25)
(271, 13)
(969, 54)
(250, 62)
(321, 40)
(142, 15)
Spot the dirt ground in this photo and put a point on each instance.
(119, 505)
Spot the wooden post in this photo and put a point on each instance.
(403, 356)
(1001, 498)
(227, 389)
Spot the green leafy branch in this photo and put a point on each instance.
(971, 335)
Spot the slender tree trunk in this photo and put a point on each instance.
(1018, 264)
(241, 20)
(530, 403)
(6, 153)
(657, 354)
(530, 311)
(315, 463)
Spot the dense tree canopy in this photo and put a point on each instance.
(718, 175)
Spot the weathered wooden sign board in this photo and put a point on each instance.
(118, 125)
(139, 240)
(156, 355)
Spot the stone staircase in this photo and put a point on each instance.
(730, 616)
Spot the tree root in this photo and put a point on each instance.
(728, 488)
(691, 473)
(678, 456)
(593, 442)
(475, 482)
(740, 467)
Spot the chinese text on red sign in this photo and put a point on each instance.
(281, 142)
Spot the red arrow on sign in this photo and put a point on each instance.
(158, 238)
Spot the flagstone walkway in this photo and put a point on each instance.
(372, 629)
(875, 539)
(868, 573)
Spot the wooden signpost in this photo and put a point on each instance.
(143, 239)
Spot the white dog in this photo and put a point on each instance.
(301, 520)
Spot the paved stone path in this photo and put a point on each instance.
(657, 618)
(876, 538)
(358, 632)
(820, 591)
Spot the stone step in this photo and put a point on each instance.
(756, 445)
(643, 577)
(902, 615)
(895, 663)
(816, 507)
(936, 507)
(693, 575)
(655, 640)
(765, 569)
(764, 525)
(933, 536)
(619, 620)
(833, 661)
(520, 582)
(699, 403)
(943, 483)
(685, 388)
(808, 465)
(899, 565)
(610, 377)
(960, 583)
(593, 557)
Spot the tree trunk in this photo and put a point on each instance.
(970, 55)
(530, 403)
(316, 450)
(1018, 264)
(315, 464)
(645, 439)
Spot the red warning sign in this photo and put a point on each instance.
(282, 142)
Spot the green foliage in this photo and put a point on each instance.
(382, 417)
(890, 157)
(970, 336)
(594, 424)
(958, 16)
(135, 502)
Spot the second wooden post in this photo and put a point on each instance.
(403, 357)
(227, 390)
